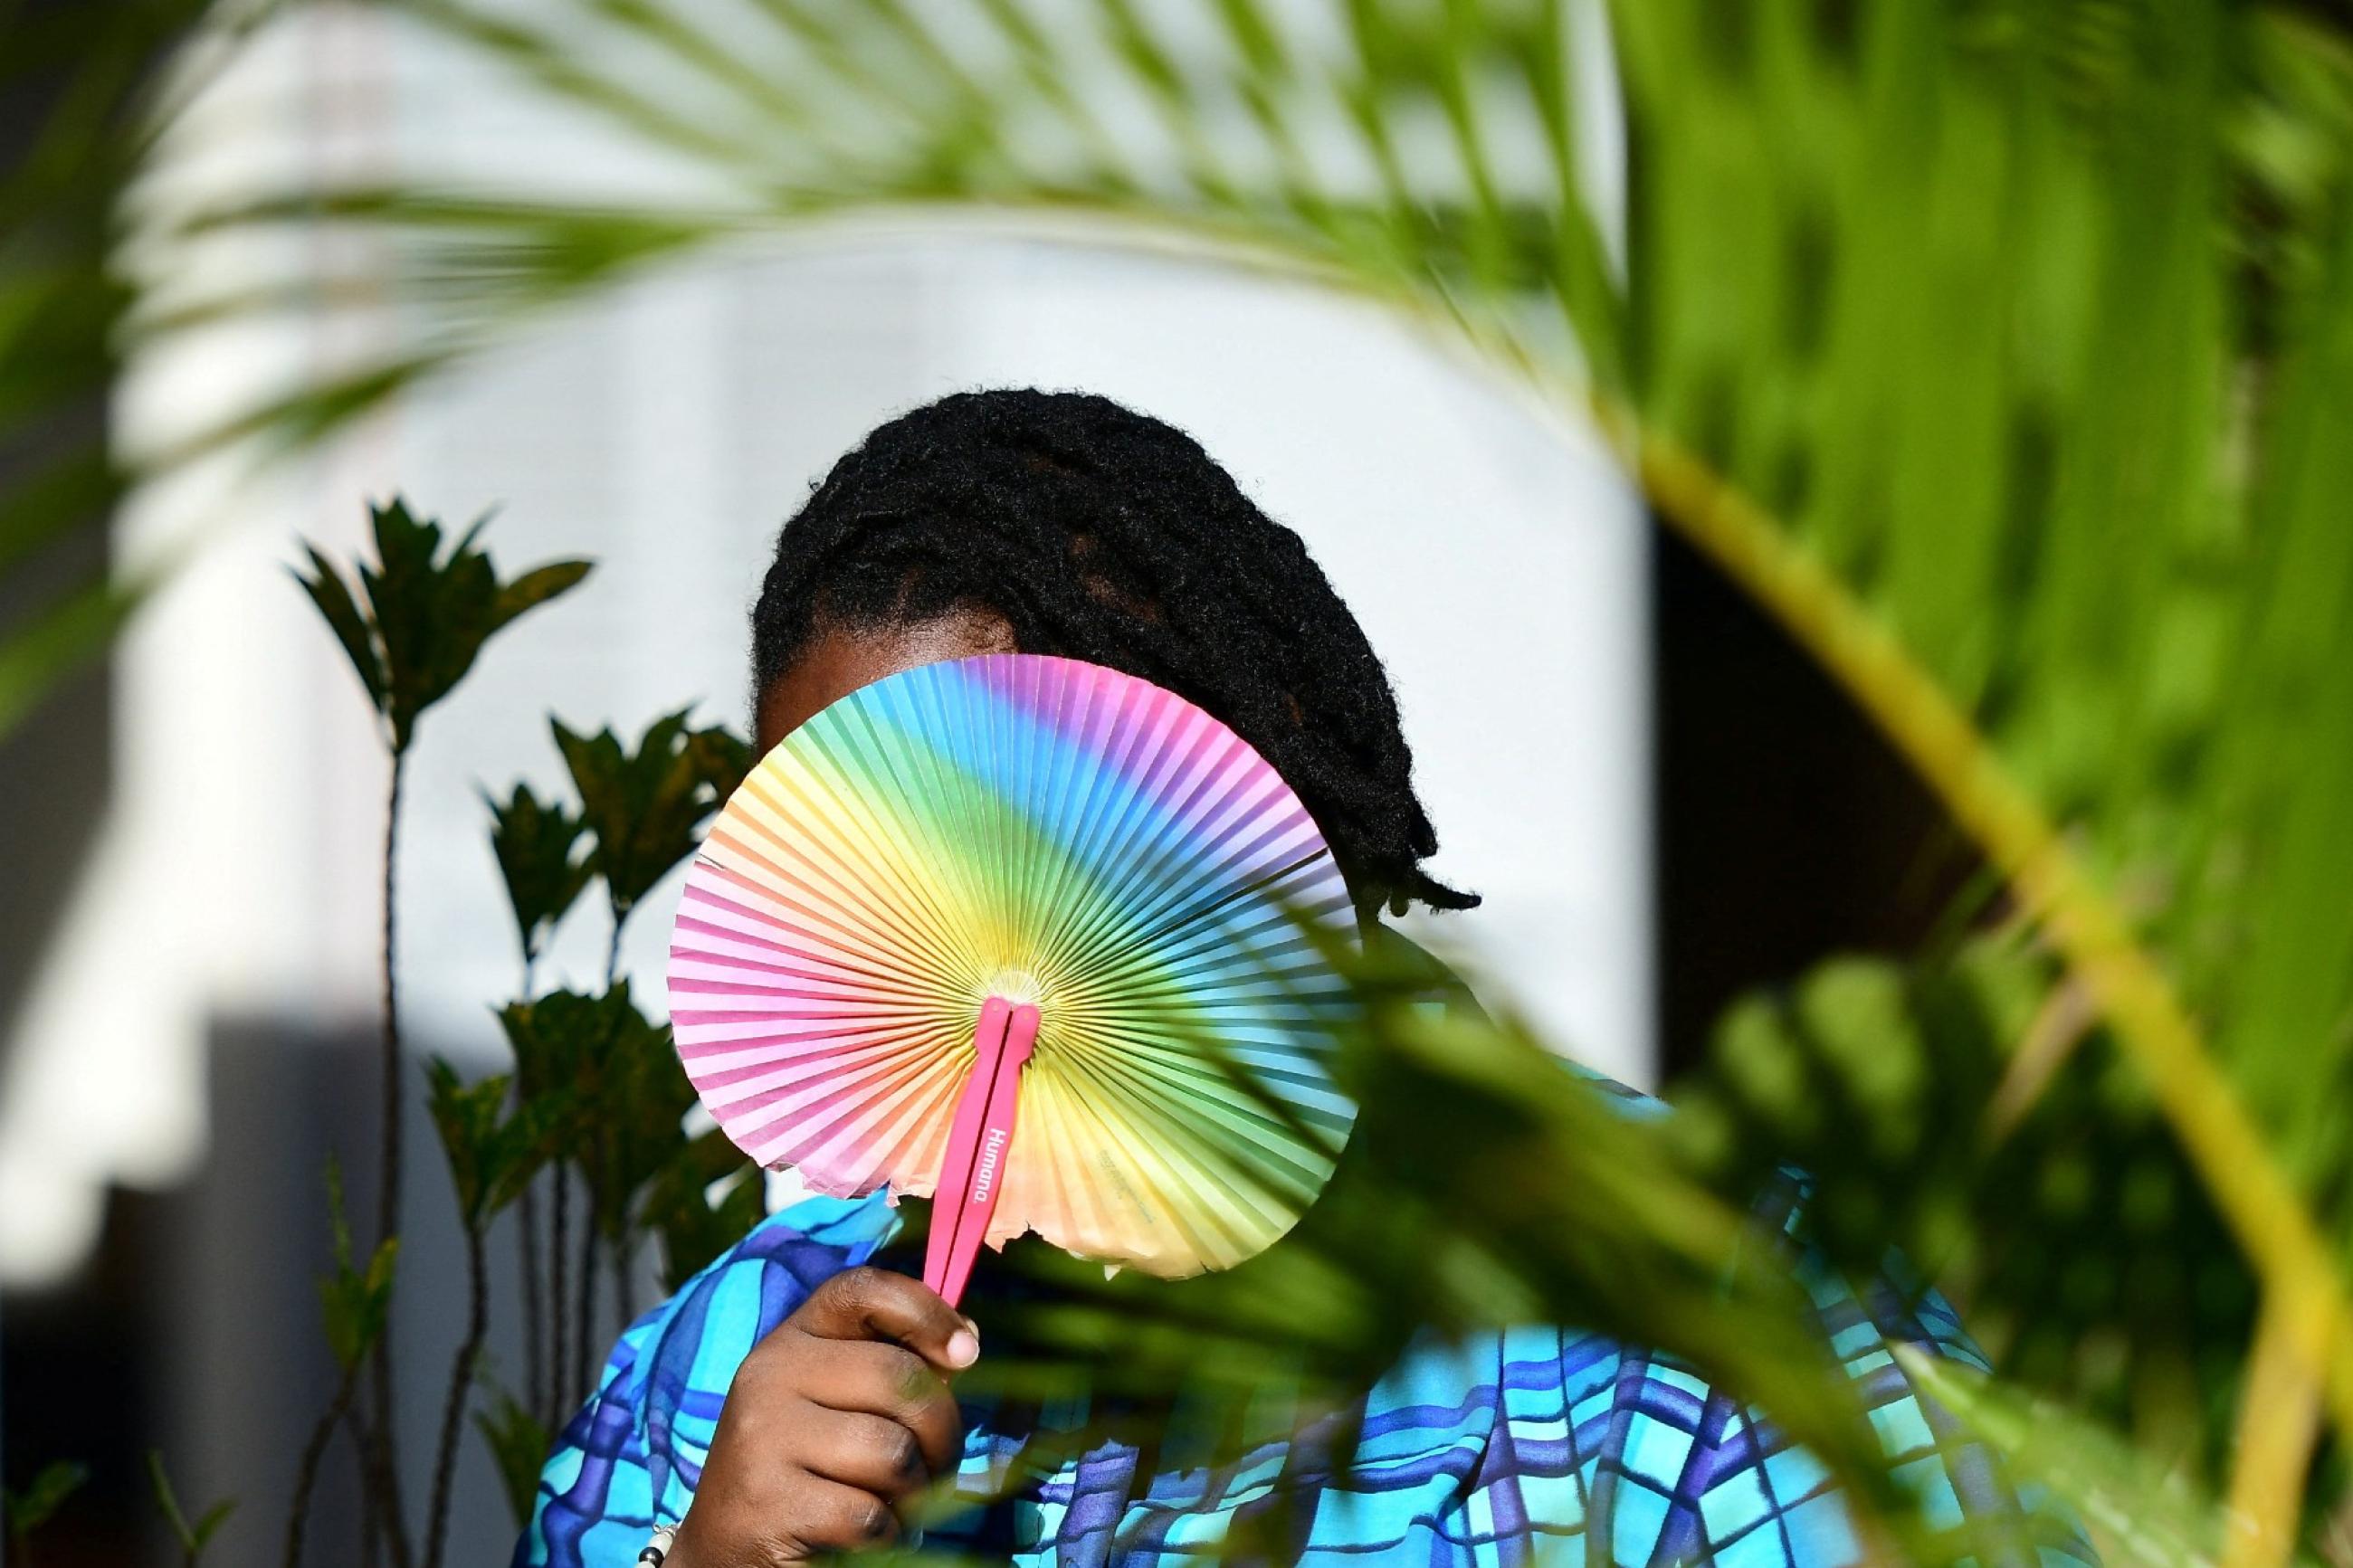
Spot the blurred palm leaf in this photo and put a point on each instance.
(2093, 1263)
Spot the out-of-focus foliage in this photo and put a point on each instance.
(2139, 1511)
(518, 1445)
(85, 115)
(1964, 1111)
(191, 1536)
(354, 1298)
(23, 1512)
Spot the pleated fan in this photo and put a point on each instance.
(1034, 934)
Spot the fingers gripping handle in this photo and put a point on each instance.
(979, 1140)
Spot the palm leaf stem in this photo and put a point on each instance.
(1957, 762)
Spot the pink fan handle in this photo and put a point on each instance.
(979, 1140)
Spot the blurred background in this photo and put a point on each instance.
(274, 263)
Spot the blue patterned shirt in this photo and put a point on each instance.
(1515, 1444)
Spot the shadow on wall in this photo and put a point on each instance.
(195, 1327)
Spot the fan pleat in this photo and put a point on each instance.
(1021, 824)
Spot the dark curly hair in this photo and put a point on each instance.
(1102, 535)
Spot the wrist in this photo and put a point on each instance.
(663, 1550)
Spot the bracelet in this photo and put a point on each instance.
(656, 1550)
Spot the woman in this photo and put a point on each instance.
(799, 1390)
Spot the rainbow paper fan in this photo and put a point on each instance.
(1035, 934)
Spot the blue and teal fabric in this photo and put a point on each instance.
(1520, 1445)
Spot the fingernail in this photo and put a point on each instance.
(964, 1348)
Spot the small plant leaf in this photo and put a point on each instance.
(678, 1206)
(30, 1509)
(333, 596)
(421, 616)
(214, 1518)
(535, 841)
(614, 1098)
(518, 1445)
(192, 1537)
(351, 1301)
(535, 587)
(646, 808)
(491, 1154)
(2142, 1514)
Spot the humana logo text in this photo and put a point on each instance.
(985, 1178)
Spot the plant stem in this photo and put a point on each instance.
(453, 1409)
(306, 1474)
(582, 1368)
(2250, 1188)
(382, 1427)
(535, 1372)
(362, 1463)
(559, 1305)
(624, 1305)
(2279, 1420)
(383, 1488)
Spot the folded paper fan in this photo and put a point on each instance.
(1033, 934)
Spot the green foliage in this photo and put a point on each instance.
(519, 1446)
(354, 1301)
(25, 1511)
(623, 1099)
(192, 1537)
(419, 616)
(535, 842)
(1964, 1111)
(679, 1208)
(2141, 1514)
(81, 82)
(492, 1152)
(645, 806)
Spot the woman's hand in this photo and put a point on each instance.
(839, 1415)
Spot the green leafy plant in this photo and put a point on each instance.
(518, 1443)
(493, 1151)
(620, 1124)
(535, 842)
(421, 614)
(595, 1102)
(355, 1305)
(644, 807)
(193, 1536)
(25, 1511)
(412, 626)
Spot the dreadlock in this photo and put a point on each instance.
(1100, 534)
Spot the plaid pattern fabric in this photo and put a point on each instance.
(1520, 1445)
